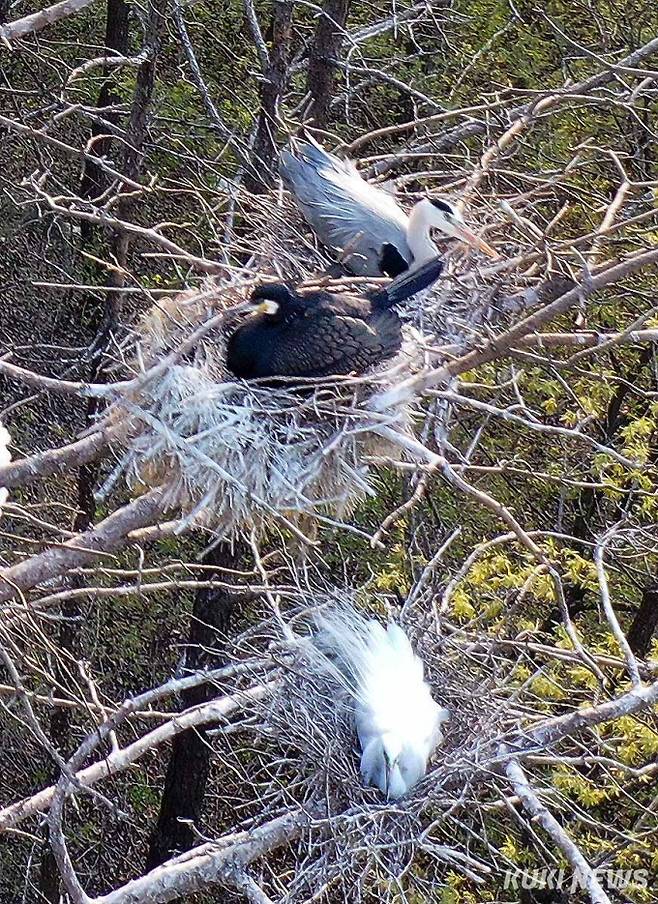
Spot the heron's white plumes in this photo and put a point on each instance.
(5, 459)
(397, 721)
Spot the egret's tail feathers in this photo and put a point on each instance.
(397, 721)
(342, 636)
(408, 284)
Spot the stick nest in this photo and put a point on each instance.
(307, 753)
(235, 456)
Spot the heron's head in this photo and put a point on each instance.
(272, 299)
(445, 216)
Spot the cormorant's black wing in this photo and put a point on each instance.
(330, 343)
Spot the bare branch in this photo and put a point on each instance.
(13, 31)
(106, 537)
(539, 813)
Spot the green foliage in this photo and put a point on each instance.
(579, 788)
(143, 797)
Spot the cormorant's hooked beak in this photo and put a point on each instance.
(466, 235)
(266, 306)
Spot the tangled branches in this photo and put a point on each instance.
(494, 489)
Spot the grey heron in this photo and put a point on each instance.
(364, 222)
(319, 333)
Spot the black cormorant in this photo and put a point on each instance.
(318, 333)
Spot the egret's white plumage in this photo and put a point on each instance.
(5, 459)
(397, 721)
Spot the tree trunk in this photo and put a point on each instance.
(189, 763)
(643, 626)
(261, 176)
(325, 48)
(94, 182)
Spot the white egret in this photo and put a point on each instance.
(397, 721)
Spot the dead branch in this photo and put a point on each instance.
(106, 537)
(541, 814)
(20, 28)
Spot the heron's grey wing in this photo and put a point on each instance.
(336, 345)
(344, 210)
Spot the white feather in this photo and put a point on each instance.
(5, 459)
(397, 721)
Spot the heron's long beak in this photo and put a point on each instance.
(466, 235)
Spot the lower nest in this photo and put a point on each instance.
(308, 755)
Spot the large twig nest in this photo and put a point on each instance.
(306, 748)
(236, 455)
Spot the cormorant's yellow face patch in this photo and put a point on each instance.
(268, 307)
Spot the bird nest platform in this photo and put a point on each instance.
(232, 455)
(304, 755)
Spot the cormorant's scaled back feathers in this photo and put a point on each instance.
(319, 333)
